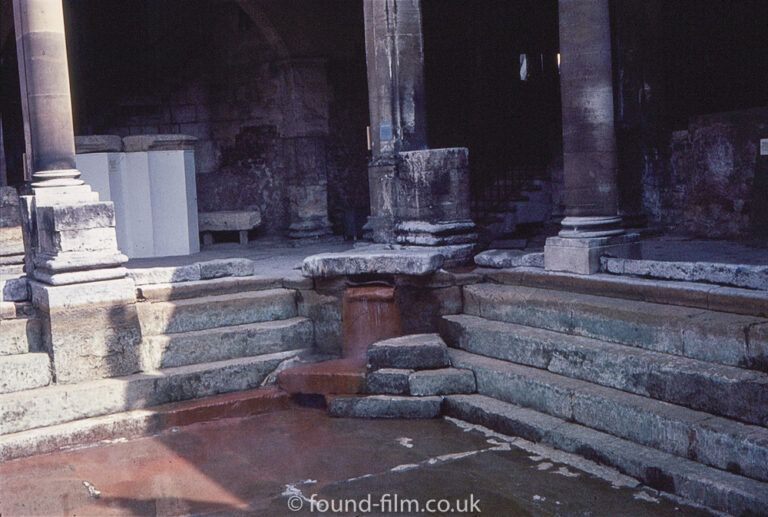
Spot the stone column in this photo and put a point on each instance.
(592, 226)
(419, 196)
(395, 57)
(304, 131)
(77, 280)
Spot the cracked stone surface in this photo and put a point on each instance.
(259, 465)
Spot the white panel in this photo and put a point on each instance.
(94, 170)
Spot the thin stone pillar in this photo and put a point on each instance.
(73, 264)
(419, 196)
(592, 226)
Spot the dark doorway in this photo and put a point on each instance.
(478, 98)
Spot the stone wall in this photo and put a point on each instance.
(252, 94)
(708, 188)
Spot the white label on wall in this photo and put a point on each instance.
(764, 147)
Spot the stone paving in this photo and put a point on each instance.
(273, 463)
(282, 254)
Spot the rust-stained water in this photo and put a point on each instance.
(370, 314)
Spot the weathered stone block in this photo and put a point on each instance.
(216, 311)
(90, 333)
(226, 267)
(509, 258)
(373, 259)
(14, 289)
(170, 350)
(433, 185)
(445, 381)
(385, 406)
(165, 275)
(417, 351)
(24, 372)
(59, 218)
(325, 311)
(228, 220)
(582, 256)
(20, 335)
(391, 381)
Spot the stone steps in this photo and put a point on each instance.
(714, 441)
(24, 371)
(724, 491)
(336, 376)
(723, 390)
(219, 344)
(56, 404)
(185, 315)
(141, 422)
(20, 335)
(384, 406)
(212, 287)
(711, 336)
(681, 293)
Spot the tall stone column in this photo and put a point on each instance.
(419, 196)
(395, 57)
(74, 267)
(592, 226)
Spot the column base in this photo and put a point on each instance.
(582, 255)
(380, 229)
(309, 212)
(71, 243)
(448, 233)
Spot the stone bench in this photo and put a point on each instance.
(228, 221)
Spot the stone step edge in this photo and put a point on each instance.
(39, 360)
(659, 470)
(214, 298)
(151, 343)
(208, 270)
(145, 388)
(225, 285)
(720, 430)
(716, 372)
(141, 422)
(670, 292)
(675, 329)
(748, 276)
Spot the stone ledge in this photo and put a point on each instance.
(385, 406)
(686, 294)
(738, 275)
(509, 258)
(88, 144)
(143, 143)
(373, 260)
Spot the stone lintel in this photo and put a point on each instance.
(144, 143)
(89, 144)
(582, 256)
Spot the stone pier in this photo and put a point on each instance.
(592, 226)
(74, 266)
(419, 196)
